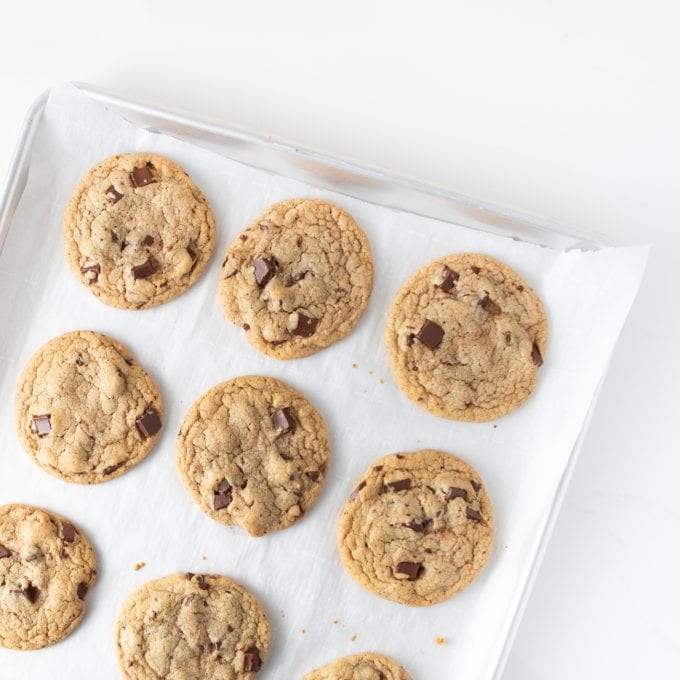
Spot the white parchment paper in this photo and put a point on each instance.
(315, 608)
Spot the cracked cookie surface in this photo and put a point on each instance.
(298, 278)
(253, 452)
(46, 569)
(418, 527)
(85, 410)
(137, 231)
(366, 666)
(189, 626)
(465, 337)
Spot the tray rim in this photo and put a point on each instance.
(14, 183)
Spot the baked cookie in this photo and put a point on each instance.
(46, 568)
(190, 626)
(417, 528)
(253, 452)
(85, 410)
(138, 231)
(298, 278)
(366, 666)
(465, 337)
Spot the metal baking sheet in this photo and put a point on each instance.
(146, 515)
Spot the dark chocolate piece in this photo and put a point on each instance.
(142, 176)
(475, 270)
(508, 337)
(82, 590)
(112, 468)
(418, 525)
(148, 423)
(398, 485)
(411, 569)
(30, 592)
(4, 552)
(223, 495)
(314, 475)
(450, 278)
(95, 269)
(264, 270)
(488, 305)
(113, 196)
(42, 425)
(251, 660)
(305, 326)
(355, 493)
(68, 532)
(455, 492)
(430, 334)
(148, 241)
(536, 356)
(144, 271)
(476, 486)
(471, 513)
(282, 419)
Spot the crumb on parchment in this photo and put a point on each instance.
(139, 565)
(440, 641)
(354, 637)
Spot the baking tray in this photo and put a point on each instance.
(339, 176)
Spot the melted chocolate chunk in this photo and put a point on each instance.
(488, 305)
(419, 525)
(305, 326)
(476, 486)
(410, 339)
(30, 592)
(398, 485)
(430, 334)
(411, 569)
(251, 660)
(142, 176)
(508, 337)
(68, 532)
(4, 552)
(291, 280)
(94, 269)
(473, 514)
(42, 425)
(455, 492)
(149, 423)
(144, 271)
(355, 493)
(112, 468)
(202, 583)
(223, 495)
(314, 475)
(148, 241)
(475, 270)
(82, 590)
(283, 420)
(450, 278)
(264, 271)
(113, 196)
(536, 356)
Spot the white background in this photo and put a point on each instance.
(568, 109)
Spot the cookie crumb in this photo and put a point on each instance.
(440, 641)
(495, 426)
(139, 565)
(382, 382)
(353, 638)
(303, 631)
(370, 373)
(204, 557)
(354, 365)
(334, 622)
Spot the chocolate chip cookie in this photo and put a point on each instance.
(190, 626)
(417, 528)
(466, 337)
(138, 231)
(298, 278)
(85, 410)
(366, 666)
(47, 567)
(253, 452)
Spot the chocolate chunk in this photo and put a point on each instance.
(142, 176)
(31, 593)
(471, 513)
(63, 554)
(113, 196)
(488, 305)
(355, 493)
(148, 241)
(251, 660)
(243, 237)
(79, 360)
(68, 532)
(295, 278)
(430, 334)
(536, 356)
(190, 575)
(82, 590)
(305, 326)
(112, 468)
(418, 525)
(202, 583)
(214, 646)
(95, 269)
(148, 423)
(223, 495)
(475, 270)
(398, 485)
(411, 569)
(508, 337)
(455, 492)
(42, 425)
(4, 552)
(144, 271)
(188, 599)
(377, 468)
(314, 475)
(410, 339)
(450, 278)
(246, 326)
(264, 270)
(476, 486)
(283, 420)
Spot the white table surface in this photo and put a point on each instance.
(563, 108)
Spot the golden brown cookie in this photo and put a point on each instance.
(138, 231)
(191, 627)
(418, 527)
(465, 337)
(47, 567)
(85, 410)
(298, 278)
(254, 452)
(365, 666)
